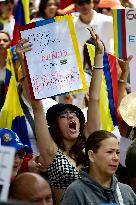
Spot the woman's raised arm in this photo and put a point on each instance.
(46, 145)
(93, 115)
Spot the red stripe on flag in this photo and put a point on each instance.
(27, 26)
(16, 35)
(123, 28)
(113, 71)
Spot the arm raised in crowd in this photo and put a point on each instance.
(93, 115)
(45, 142)
(123, 66)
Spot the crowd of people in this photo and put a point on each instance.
(70, 159)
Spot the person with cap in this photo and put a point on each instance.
(30, 187)
(105, 7)
(61, 144)
(11, 139)
(88, 17)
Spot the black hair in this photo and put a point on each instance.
(2, 94)
(86, 54)
(94, 141)
(42, 6)
(1, 31)
(76, 151)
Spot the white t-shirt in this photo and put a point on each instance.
(104, 28)
(9, 27)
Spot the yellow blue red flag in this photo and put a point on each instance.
(12, 115)
(22, 17)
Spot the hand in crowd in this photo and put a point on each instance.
(23, 46)
(127, 3)
(99, 47)
(36, 165)
(124, 68)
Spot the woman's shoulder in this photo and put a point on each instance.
(124, 187)
(127, 193)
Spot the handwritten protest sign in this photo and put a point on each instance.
(54, 64)
(125, 38)
(6, 163)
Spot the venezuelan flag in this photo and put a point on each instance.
(12, 115)
(109, 90)
(109, 93)
(119, 33)
(22, 17)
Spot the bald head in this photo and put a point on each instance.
(31, 187)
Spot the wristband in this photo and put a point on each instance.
(122, 81)
(99, 68)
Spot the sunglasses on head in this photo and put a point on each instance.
(20, 154)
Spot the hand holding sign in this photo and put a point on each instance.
(54, 65)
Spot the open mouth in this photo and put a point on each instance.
(72, 125)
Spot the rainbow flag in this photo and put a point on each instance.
(120, 33)
(22, 17)
(109, 89)
(12, 115)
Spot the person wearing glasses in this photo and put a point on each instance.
(11, 139)
(61, 140)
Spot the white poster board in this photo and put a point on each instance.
(53, 62)
(131, 44)
(6, 163)
(125, 38)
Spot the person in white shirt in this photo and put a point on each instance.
(103, 26)
(89, 18)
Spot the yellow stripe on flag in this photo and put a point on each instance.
(115, 32)
(69, 18)
(26, 10)
(11, 108)
(106, 120)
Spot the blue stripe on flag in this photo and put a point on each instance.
(109, 88)
(44, 22)
(119, 34)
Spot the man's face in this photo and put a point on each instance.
(40, 194)
(84, 8)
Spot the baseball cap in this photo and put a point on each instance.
(10, 138)
(112, 4)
